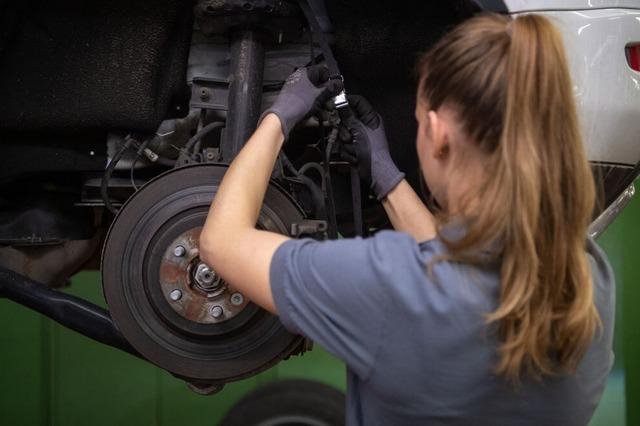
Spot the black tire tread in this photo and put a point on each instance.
(293, 396)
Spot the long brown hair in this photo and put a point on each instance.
(508, 81)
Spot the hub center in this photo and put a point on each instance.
(205, 278)
(192, 288)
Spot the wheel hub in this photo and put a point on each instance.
(205, 278)
(192, 289)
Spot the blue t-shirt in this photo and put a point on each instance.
(416, 345)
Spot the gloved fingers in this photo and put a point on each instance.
(331, 88)
(359, 104)
(294, 77)
(334, 86)
(318, 74)
(359, 152)
(360, 146)
(357, 129)
(364, 111)
(347, 117)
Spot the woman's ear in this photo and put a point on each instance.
(438, 135)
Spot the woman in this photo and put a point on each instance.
(499, 311)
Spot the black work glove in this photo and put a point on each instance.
(370, 147)
(303, 93)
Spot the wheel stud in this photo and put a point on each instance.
(216, 311)
(179, 251)
(175, 295)
(237, 299)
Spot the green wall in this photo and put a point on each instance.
(52, 376)
(622, 243)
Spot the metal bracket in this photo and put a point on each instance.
(279, 19)
(209, 94)
(340, 100)
(602, 222)
(309, 228)
(211, 155)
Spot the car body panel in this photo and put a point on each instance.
(531, 5)
(607, 90)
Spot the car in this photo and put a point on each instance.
(118, 120)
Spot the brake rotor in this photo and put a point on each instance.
(172, 307)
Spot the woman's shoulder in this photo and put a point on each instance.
(404, 251)
(403, 241)
(601, 275)
(599, 261)
(425, 276)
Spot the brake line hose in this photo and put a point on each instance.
(186, 154)
(109, 171)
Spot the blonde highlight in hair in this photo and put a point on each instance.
(508, 81)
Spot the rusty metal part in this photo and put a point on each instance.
(51, 265)
(206, 279)
(199, 294)
(205, 389)
(280, 20)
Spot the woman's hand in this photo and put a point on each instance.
(229, 242)
(371, 147)
(306, 90)
(371, 150)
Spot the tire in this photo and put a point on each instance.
(289, 403)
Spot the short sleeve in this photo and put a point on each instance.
(337, 293)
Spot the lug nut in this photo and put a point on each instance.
(175, 295)
(237, 299)
(179, 251)
(216, 311)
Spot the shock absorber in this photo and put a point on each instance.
(249, 27)
(245, 90)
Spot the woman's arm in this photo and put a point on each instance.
(229, 242)
(403, 206)
(408, 213)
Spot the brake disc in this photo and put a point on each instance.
(172, 307)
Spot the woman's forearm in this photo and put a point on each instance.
(239, 199)
(229, 242)
(408, 213)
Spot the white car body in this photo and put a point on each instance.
(596, 34)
